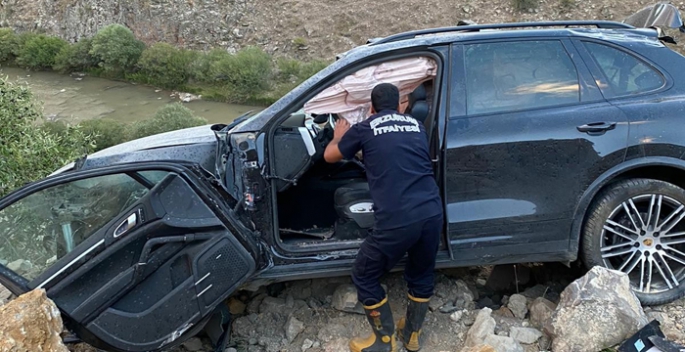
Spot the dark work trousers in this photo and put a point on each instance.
(382, 250)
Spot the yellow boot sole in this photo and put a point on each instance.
(359, 344)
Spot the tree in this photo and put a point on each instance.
(116, 48)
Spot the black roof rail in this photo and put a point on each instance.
(478, 27)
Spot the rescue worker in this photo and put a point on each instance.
(408, 216)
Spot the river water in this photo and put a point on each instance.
(75, 98)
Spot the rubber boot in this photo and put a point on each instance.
(383, 325)
(409, 328)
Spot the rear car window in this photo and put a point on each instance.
(46, 225)
(623, 73)
(519, 75)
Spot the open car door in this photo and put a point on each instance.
(137, 257)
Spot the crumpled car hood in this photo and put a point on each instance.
(195, 144)
(193, 135)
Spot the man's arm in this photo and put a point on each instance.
(332, 154)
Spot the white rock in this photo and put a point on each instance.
(481, 328)
(525, 335)
(307, 344)
(456, 316)
(503, 343)
(293, 328)
(595, 312)
(518, 304)
(345, 299)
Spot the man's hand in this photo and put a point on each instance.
(332, 153)
(341, 127)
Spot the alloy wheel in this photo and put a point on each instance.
(645, 237)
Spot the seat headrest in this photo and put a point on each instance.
(418, 94)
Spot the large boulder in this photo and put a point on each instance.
(595, 312)
(31, 323)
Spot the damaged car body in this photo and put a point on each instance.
(551, 142)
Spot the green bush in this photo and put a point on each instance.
(40, 51)
(300, 71)
(201, 66)
(165, 65)
(30, 153)
(8, 41)
(104, 133)
(311, 68)
(20, 40)
(75, 57)
(245, 74)
(116, 48)
(168, 118)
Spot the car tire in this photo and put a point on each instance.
(615, 238)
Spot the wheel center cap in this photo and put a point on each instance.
(648, 242)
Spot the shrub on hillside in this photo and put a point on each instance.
(39, 52)
(116, 48)
(30, 153)
(201, 66)
(245, 74)
(291, 69)
(8, 41)
(166, 65)
(75, 57)
(168, 118)
(104, 133)
(20, 40)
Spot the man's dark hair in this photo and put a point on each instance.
(385, 96)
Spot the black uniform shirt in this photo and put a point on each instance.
(398, 168)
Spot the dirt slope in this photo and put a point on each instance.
(322, 28)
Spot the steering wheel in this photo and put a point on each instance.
(355, 160)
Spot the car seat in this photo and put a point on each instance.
(354, 207)
(418, 105)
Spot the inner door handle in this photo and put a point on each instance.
(126, 225)
(597, 127)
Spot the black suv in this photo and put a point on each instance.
(552, 142)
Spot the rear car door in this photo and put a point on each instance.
(137, 257)
(528, 132)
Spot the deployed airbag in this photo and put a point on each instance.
(350, 98)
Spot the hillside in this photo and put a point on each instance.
(305, 29)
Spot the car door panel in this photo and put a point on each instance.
(514, 177)
(155, 271)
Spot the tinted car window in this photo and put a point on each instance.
(519, 75)
(624, 73)
(42, 227)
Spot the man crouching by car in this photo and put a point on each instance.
(408, 216)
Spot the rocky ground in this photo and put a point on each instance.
(512, 308)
